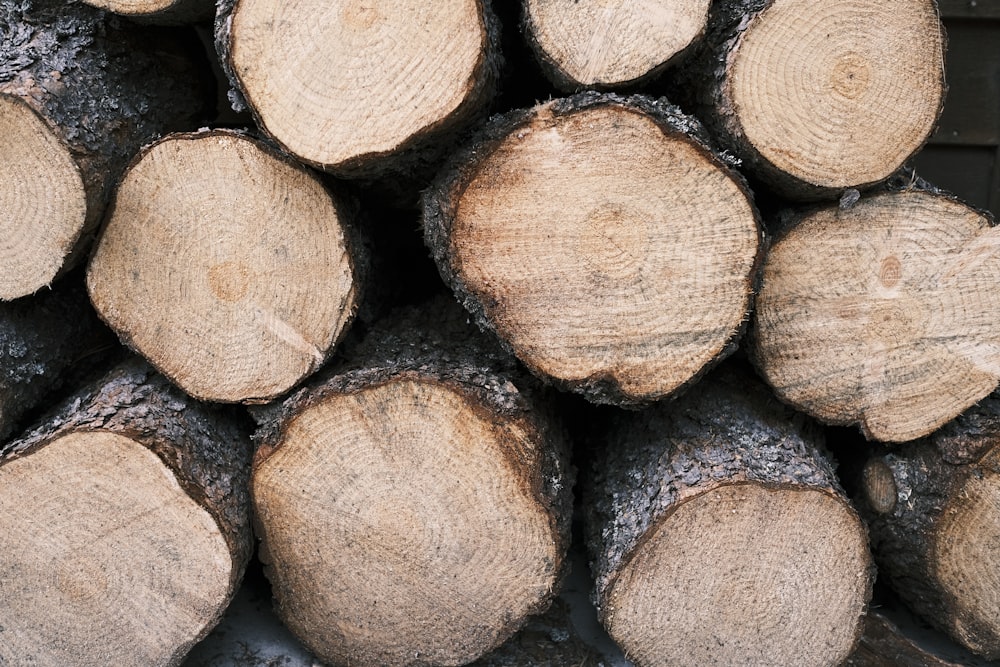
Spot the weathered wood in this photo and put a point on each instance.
(932, 510)
(126, 525)
(602, 241)
(360, 89)
(719, 534)
(45, 338)
(883, 313)
(810, 94)
(413, 507)
(161, 12)
(610, 45)
(79, 94)
(228, 265)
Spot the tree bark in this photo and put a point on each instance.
(126, 525)
(409, 75)
(602, 241)
(44, 339)
(719, 535)
(809, 94)
(79, 94)
(610, 45)
(227, 265)
(932, 512)
(884, 645)
(882, 314)
(414, 506)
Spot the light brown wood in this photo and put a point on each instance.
(610, 250)
(158, 11)
(884, 314)
(609, 43)
(226, 265)
(818, 97)
(344, 84)
(43, 199)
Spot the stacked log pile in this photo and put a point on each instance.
(708, 170)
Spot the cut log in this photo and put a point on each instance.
(602, 241)
(357, 87)
(45, 339)
(884, 314)
(126, 526)
(934, 514)
(413, 509)
(226, 265)
(885, 645)
(812, 94)
(78, 97)
(610, 44)
(719, 535)
(164, 12)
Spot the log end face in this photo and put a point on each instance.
(44, 202)
(822, 105)
(745, 574)
(880, 315)
(400, 528)
(879, 486)
(237, 282)
(966, 558)
(590, 280)
(134, 571)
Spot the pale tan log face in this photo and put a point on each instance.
(397, 529)
(608, 249)
(43, 204)
(333, 81)
(966, 557)
(225, 266)
(135, 7)
(841, 92)
(745, 575)
(608, 42)
(106, 560)
(884, 315)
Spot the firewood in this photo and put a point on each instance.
(601, 240)
(385, 81)
(226, 265)
(126, 526)
(45, 339)
(414, 507)
(883, 314)
(885, 645)
(933, 509)
(79, 94)
(610, 44)
(819, 97)
(164, 12)
(719, 534)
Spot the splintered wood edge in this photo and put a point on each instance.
(609, 44)
(965, 559)
(374, 85)
(43, 199)
(883, 315)
(416, 485)
(824, 104)
(604, 301)
(134, 571)
(745, 574)
(226, 265)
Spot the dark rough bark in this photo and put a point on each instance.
(44, 338)
(434, 343)
(400, 173)
(440, 201)
(727, 429)
(207, 447)
(702, 84)
(909, 495)
(103, 86)
(548, 640)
